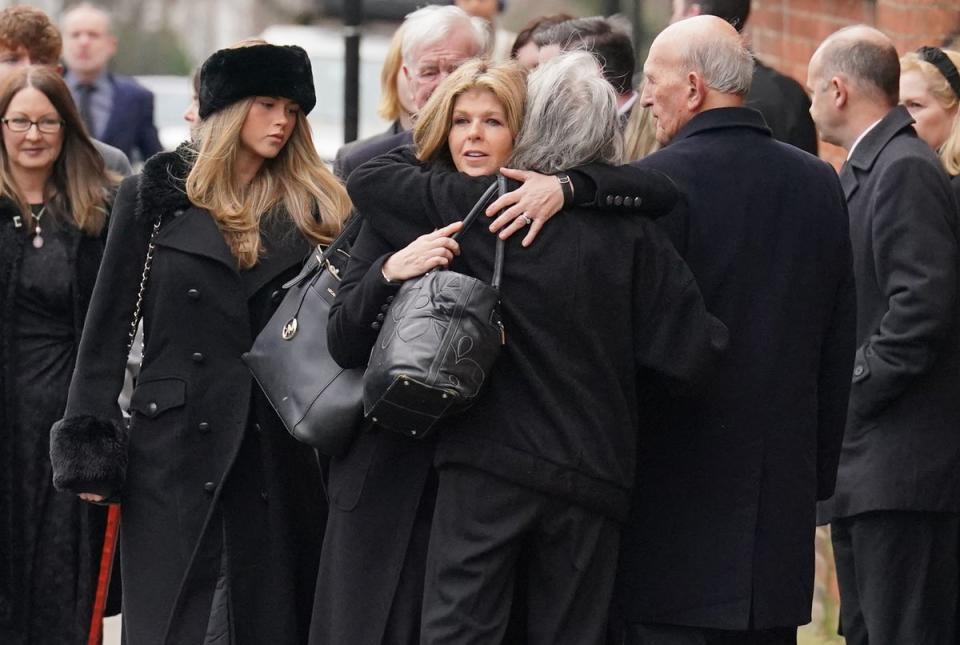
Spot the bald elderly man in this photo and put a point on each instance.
(896, 512)
(719, 544)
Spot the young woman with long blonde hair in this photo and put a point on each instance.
(222, 510)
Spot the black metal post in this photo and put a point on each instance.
(352, 21)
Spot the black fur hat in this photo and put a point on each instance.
(230, 75)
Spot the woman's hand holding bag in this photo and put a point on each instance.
(437, 345)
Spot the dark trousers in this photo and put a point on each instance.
(647, 634)
(481, 526)
(898, 574)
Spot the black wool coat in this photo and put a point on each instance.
(211, 484)
(21, 483)
(380, 493)
(721, 533)
(901, 450)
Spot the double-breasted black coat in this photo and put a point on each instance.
(381, 491)
(721, 534)
(212, 488)
(901, 450)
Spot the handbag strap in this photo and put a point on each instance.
(346, 234)
(137, 309)
(311, 270)
(500, 188)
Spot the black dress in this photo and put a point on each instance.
(51, 539)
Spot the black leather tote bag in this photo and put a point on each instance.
(439, 341)
(319, 402)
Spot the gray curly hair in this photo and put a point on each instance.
(571, 117)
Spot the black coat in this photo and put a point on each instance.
(722, 530)
(46, 537)
(210, 482)
(785, 107)
(584, 309)
(377, 501)
(364, 151)
(348, 150)
(901, 450)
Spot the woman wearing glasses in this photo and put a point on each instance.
(54, 199)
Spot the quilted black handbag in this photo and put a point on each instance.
(319, 402)
(439, 341)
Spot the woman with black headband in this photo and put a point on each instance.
(222, 515)
(930, 90)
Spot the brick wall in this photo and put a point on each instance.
(785, 33)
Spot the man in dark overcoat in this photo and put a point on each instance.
(895, 517)
(780, 99)
(719, 546)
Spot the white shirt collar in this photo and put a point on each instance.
(860, 138)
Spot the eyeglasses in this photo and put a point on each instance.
(46, 126)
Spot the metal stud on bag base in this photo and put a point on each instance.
(412, 408)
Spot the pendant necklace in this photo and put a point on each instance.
(37, 237)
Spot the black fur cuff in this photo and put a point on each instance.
(88, 452)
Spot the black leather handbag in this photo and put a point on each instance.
(438, 343)
(319, 402)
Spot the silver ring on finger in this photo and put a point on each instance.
(526, 220)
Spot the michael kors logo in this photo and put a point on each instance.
(289, 330)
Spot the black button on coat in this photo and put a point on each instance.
(188, 495)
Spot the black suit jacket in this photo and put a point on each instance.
(902, 446)
(347, 149)
(130, 126)
(363, 151)
(721, 531)
(784, 106)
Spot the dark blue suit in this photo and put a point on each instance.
(130, 126)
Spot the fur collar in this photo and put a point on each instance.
(162, 187)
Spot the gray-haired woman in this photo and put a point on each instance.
(538, 472)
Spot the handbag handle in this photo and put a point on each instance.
(500, 188)
(346, 234)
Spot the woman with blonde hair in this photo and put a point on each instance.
(930, 90)
(639, 133)
(222, 509)
(55, 196)
(382, 492)
(396, 101)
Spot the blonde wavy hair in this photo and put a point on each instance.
(79, 186)
(391, 104)
(940, 88)
(294, 184)
(506, 81)
(640, 133)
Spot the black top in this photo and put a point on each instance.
(591, 302)
(785, 107)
